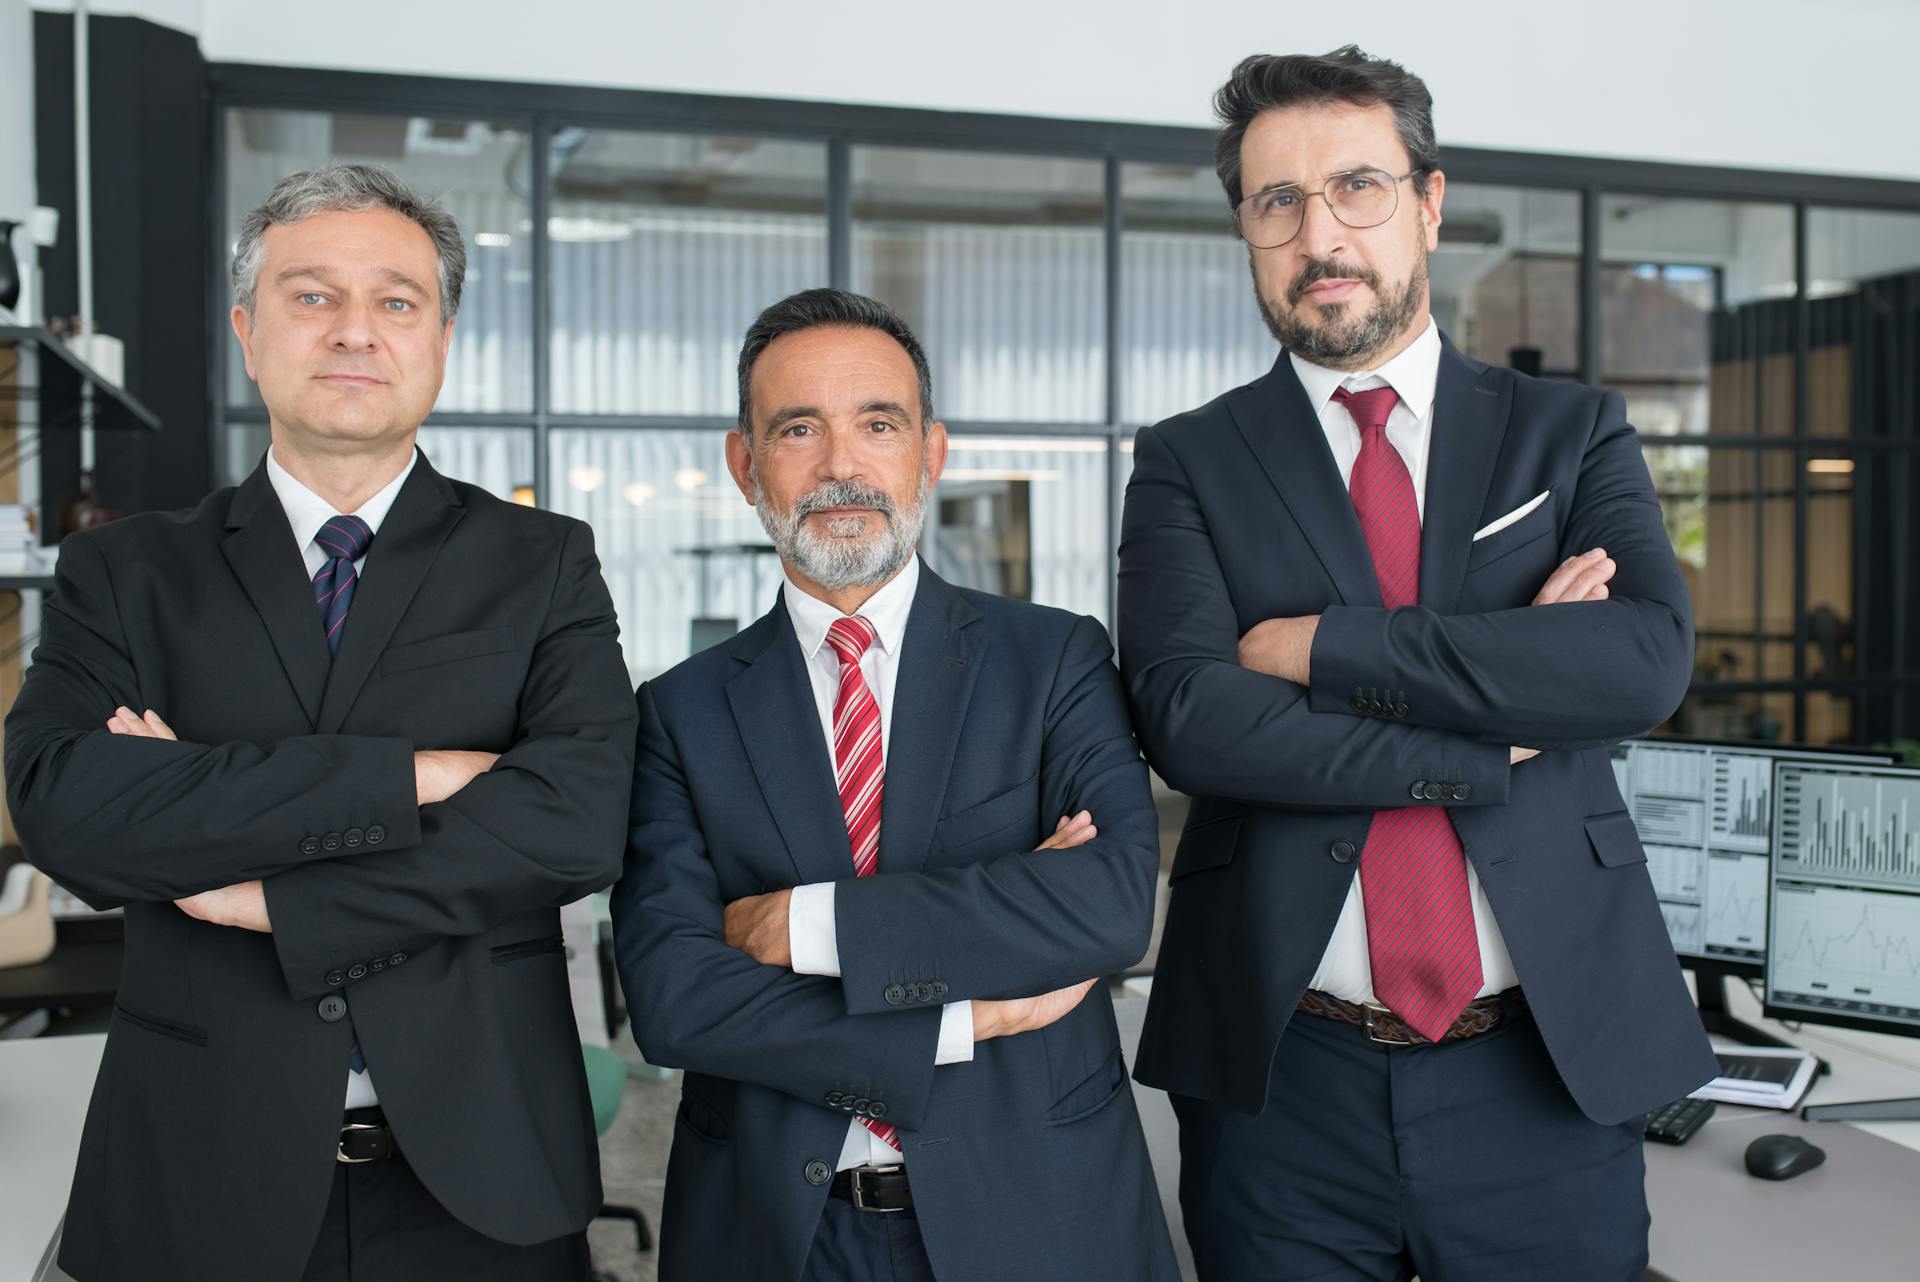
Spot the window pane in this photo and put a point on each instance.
(1190, 327)
(664, 249)
(1696, 314)
(1506, 277)
(1716, 527)
(998, 264)
(1024, 517)
(1864, 270)
(477, 169)
(497, 459)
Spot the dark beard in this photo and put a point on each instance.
(1338, 342)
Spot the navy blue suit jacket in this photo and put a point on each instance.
(1027, 1162)
(1235, 514)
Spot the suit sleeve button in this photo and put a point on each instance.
(1357, 703)
(336, 978)
(1419, 790)
(330, 842)
(895, 994)
(375, 835)
(353, 837)
(309, 845)
(356, 972)
(1399, 709)
(1461, 792)
(876, 1110)
(396, 959)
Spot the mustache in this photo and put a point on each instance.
(1319, 269)
(832, 494)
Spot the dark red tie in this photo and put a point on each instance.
(1413, 872)
(858, 767)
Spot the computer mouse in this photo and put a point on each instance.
(1781, 1157)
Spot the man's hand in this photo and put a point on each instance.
(1281, 647)
(1579, 578)
(757, 926)
(243, 906)
(127, 722)
(1071, 831)
(439, 774)
(1517, 755)
(1024, 1014)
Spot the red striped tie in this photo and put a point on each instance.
(858, 767)
(1413, 871)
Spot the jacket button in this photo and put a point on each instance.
(353, 837)
(1357, 703)
(860, 1106)
(333, 1008)
(876, 1110)
(1461, 792)
(375, 835)
(1436, 791)
(1342, 852)
(895, 994)
(356, 972)
(378, 963)
(940, 988)
(396, 959)
(1419, 789)
(1399, 709)
(309, 845)
(330, 842)
(833, 1099)
(336, 978)
(818, 1172)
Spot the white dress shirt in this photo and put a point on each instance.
(306, 513)
(1346, 970)
(811, 925)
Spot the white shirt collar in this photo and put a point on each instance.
(1412, 375)
(307, 511)
(886, 610)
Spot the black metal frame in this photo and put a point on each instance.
(540, 109)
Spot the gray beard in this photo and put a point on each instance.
(841, 557)
(1343, 342)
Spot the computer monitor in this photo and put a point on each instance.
(1704, 812)
(1845, 903)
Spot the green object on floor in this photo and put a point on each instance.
(606, 1081)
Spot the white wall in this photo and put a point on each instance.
(1814, 85)
(16, 117)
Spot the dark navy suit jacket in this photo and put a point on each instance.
(1235, 514)
(1027, 1162)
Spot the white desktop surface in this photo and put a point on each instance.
(45, 1083)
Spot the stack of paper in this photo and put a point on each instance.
(1761, 1077)
(17, 541)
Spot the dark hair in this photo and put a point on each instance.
(1267, 81)
(818, 308)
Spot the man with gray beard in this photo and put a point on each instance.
(1381, 611)
(845, 912)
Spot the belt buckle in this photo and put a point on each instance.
(340, 1150)
(859, 1201)
(1372, 1010)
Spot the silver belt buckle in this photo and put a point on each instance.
(859, 1201)
(1373, 1009)
(339, 1149)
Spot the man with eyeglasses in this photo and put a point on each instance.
(1381, 610)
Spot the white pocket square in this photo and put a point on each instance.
(1501, 524)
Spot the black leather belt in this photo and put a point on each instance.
(365, 1137)
(1382, 1025)
(874, 1188)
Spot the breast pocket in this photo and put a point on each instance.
(1527, 532)
(1009, 818)
(445, 649)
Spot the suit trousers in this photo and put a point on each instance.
(852, 1245)
(382, 1225)
(1462, 1162)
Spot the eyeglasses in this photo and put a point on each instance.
(1359, 198)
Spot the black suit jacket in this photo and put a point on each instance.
(1236, 514)
(208, 1149)
(1028, 1162)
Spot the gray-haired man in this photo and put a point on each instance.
(341, 740)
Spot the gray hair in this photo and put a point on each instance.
(348, 189)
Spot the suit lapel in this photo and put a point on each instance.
(1281, 428)
(1470, 406)
(940, 661)
(779, 723)
(403, 549)
(260, 547)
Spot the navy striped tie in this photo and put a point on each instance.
(344, 539)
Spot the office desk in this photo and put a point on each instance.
(1854, 1219)
(45, 1083)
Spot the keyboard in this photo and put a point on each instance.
(1675, 1123)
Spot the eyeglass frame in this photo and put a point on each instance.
(1322, 193)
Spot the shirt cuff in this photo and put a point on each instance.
(956, 1034)
(810, 930)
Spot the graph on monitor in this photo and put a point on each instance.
(1846, 896)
